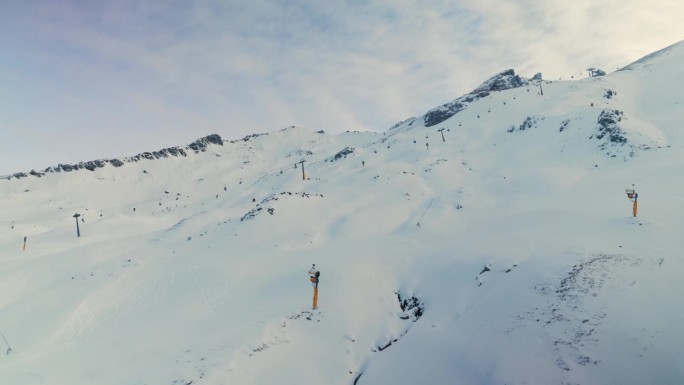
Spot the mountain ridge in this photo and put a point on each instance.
(501, 81)
(197, 146)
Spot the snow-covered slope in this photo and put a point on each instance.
(494, 247)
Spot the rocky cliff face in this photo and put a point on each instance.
(445, 111)
(499, 82)
(502, 81)
(197, 146)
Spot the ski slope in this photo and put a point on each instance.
(510, 242)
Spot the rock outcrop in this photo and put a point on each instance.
(197, 146)
(499, 82)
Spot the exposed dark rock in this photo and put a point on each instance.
(530, 121)
(608, 128)
(499, 82)
(260, 206)
(387, 345)
(442, 113)
(197, 146)
(609, 94)
(411, 307)
(247, 138)
(503, 81)
(251, 214)
(201, 144)
(342, 154)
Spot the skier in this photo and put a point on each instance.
(313, 275)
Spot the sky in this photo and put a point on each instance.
(84, 80)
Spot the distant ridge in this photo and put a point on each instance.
(197, 146)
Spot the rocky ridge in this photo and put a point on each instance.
(197, 146)
(502, 81)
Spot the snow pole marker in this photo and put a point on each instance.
(634, 208)
(313, 277)
(315, 298)
(632, 195)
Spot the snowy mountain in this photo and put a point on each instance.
(490, 243)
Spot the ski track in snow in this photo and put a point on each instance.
(575, 306)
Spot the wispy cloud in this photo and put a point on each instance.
(177, 70)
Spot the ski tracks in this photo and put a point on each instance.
(575, 308)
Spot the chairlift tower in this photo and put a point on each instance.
(303, 174)
(78, 230)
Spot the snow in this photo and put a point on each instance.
(172, 283)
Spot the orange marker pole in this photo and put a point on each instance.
(24, 244)
(634, 209)
(315, 298)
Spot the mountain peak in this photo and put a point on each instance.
(503, 81)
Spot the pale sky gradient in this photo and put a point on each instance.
(82, 80)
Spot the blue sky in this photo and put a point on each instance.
(81, 80)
